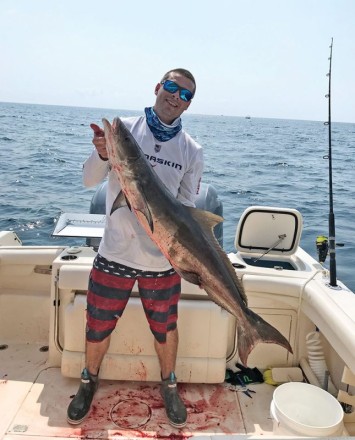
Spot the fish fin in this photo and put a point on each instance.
(147, 214)
(207, 221)
(257, 331)
(119, 202)
(191, 277)
(205, 218)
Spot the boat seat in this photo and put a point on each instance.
(203, 329)
(206, 332)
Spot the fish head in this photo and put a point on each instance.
(120, 144)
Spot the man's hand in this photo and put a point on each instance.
(99, 141)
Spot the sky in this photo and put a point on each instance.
(263, 58)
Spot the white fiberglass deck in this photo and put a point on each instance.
(34, 399)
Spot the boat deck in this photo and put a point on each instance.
(34, 400)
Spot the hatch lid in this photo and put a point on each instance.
(264, 228)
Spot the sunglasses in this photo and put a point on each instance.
(172, 87)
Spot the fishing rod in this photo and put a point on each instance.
(332, 259)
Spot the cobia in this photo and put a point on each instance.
(185, 236)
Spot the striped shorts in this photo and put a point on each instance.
(110, 286)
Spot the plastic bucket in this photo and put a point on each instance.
(301, 408)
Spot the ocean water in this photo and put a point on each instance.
(256, 161)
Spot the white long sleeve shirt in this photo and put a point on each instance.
(178, 163)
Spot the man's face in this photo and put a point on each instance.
(169, 106)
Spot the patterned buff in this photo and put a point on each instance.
(161, 131)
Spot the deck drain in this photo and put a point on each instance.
(130, 414)
(3, 346)
(44, 348)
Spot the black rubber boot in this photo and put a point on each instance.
(79, 407)
(174, 406)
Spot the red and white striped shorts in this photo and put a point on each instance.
(110, 286)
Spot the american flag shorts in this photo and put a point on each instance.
(110, 286)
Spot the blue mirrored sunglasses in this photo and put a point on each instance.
(172, 87)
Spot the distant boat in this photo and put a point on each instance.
(247, 117)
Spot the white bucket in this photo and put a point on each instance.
(302, 408)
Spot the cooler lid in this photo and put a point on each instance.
(264, 228)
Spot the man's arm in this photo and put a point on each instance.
(190, 183)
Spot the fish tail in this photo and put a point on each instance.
(255, 330)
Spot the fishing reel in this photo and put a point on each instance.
(322, 248)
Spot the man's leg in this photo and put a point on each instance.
(174, 406)
(80, 405)
(95, 352)
(107, 297)
(160, 294)
(167, 353)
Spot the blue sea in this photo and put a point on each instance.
(256, 161)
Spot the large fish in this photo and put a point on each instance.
(185, 236)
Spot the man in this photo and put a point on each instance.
(127, 254)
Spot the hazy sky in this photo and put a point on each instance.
(263, 58)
